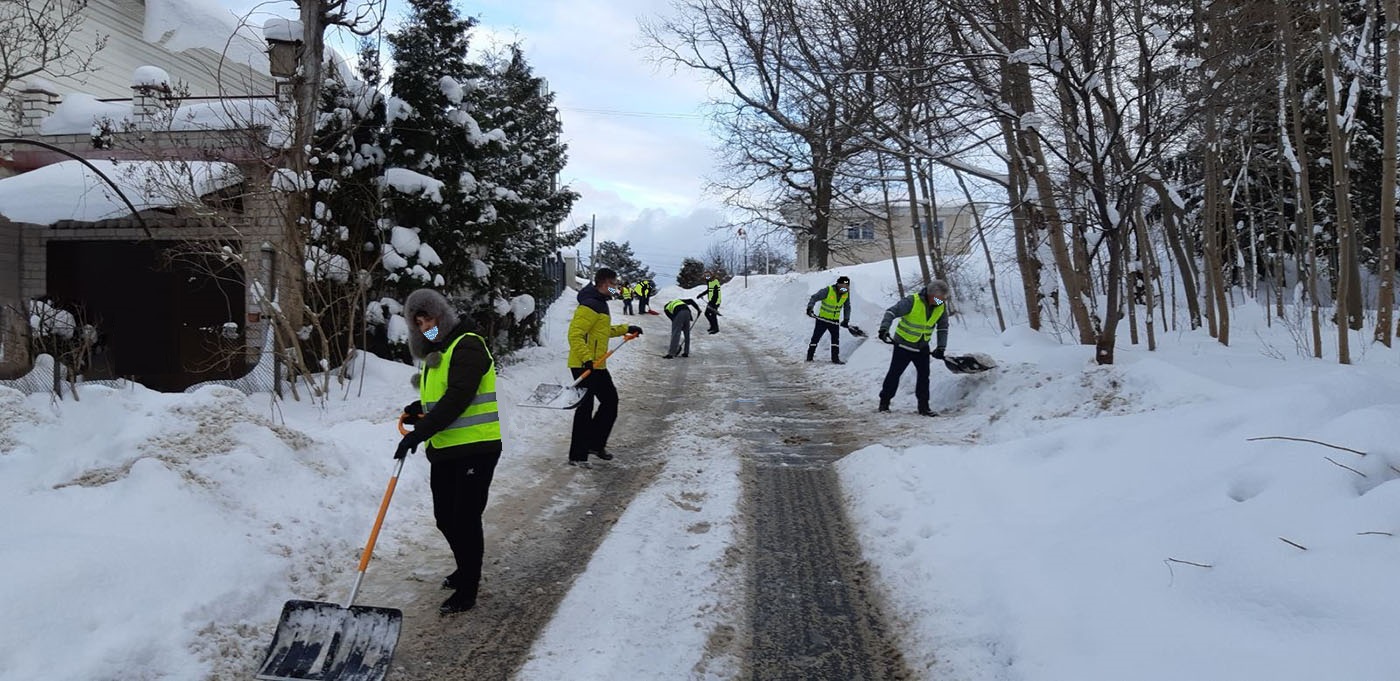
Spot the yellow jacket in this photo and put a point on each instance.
(591, 328)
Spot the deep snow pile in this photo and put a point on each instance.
(1034, 530)
(1044, 527)
(154, 535)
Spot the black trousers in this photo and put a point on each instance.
(460, 488)
(591, 429)
(642, 304)
(712, 315)
(900, 360)
(829, 328)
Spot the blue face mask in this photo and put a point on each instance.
(937, 302)
(431, 334)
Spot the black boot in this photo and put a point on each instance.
(836, 354)
(925, 411)
(811, 352)
(884, 405)
(461, 600)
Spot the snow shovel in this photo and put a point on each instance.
(860, 337)
(318, 641)
(968, 364)
(555, 396)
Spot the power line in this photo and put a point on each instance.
(634, 114)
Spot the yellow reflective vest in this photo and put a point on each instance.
(918, 325)
(481, 420)
(833, 304)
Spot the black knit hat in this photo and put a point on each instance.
(843, 279)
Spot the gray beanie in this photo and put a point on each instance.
(939, 289)
(430, 303)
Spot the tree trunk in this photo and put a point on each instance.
(1303, 184)
(914, 217)
(1027, 257)
(819, 248)
(889, 222)
(1217, 303)
(1385, 301)
(986, 251)
(1341, 176)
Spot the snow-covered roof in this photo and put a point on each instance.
(79, 113)
(180, 25)
(71, 191)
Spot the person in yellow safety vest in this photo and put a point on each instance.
(456, 414)
(645, 289)
(834, 313)
(626, 295)
(712, 301)
(678, 311)
(919, 315)
(588, 341)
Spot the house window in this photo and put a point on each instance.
(935, 233)
(860, 231)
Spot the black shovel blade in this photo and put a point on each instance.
(326, 642)
(966, 364)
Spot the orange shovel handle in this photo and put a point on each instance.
(605, 356)
(379, 519)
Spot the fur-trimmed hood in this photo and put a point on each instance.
(433, 304)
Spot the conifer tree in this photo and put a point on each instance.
(432, 142)
(519, 182)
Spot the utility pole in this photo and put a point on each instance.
(745, 236)
(592, 244)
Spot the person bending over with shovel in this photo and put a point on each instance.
(919, 314)
(678, 311)
(588, 343)
(456, 415)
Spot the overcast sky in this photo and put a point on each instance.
(639, 149)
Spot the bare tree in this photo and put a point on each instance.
(794, 105)
(37, 37)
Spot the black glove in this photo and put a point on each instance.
(811, 314)
(588, 364)
(635, 329)
(885, 336)
(845, 325)
(409, 443)
(412, 413)
(938, 352)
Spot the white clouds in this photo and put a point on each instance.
(643, 176)
(645, 173)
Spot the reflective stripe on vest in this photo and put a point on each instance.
(481, 420)
(832, 305)
(918, 325)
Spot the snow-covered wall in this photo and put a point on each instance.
(189, 39)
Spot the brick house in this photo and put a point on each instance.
(196, 168)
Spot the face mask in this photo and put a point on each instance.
(937, 302)
(612, 290)
(842, 289)
(431, 334)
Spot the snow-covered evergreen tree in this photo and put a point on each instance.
(432, 143)
(522, 200)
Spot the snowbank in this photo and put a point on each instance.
(71, 191)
